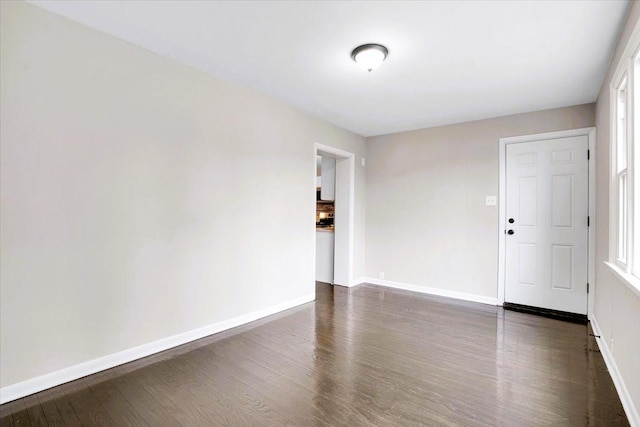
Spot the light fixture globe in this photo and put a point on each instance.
(369, 56)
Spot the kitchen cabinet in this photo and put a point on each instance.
(324, 256)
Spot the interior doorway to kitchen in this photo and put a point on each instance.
(343, 219)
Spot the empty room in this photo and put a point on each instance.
(331, 213)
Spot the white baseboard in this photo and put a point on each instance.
(356, 282)
(432, 291)
(621, 388)
(43, 382)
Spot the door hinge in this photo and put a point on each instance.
(588, 221)
(588, 154)
(587, 287)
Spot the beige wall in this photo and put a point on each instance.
(142, 198)
(617, 308)
(427, 223)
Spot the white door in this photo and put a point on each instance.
(546, 221)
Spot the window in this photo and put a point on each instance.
(621, 170)
(625, 167)
(635, 115)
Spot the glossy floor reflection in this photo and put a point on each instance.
(361, 356)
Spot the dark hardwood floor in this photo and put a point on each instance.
(366, 356)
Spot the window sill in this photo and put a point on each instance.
(631, 281)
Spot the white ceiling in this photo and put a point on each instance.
(449, 61)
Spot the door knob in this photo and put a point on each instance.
(510, 232)
(511, 221)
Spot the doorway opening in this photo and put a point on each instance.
(343, 215)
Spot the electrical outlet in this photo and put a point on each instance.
(490, 201)
(382, 275)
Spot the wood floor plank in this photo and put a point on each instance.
(21, 419)
(58, 397)
(149, 380)
(191, 404)
(86, 406)
(233, 381)
(52, 415)
(9, 408)
(153, 411)
(34, 410)
(363, 356)
(115, 404)
(6, 421)
(230, 405)
(258, 385)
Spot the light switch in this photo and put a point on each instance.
(491, 201)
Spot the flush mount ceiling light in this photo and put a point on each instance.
(369, 56)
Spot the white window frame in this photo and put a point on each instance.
(634, 158)
(621, 205)
(625, 265)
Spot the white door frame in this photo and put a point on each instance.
(591, 134)
(344, 214)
